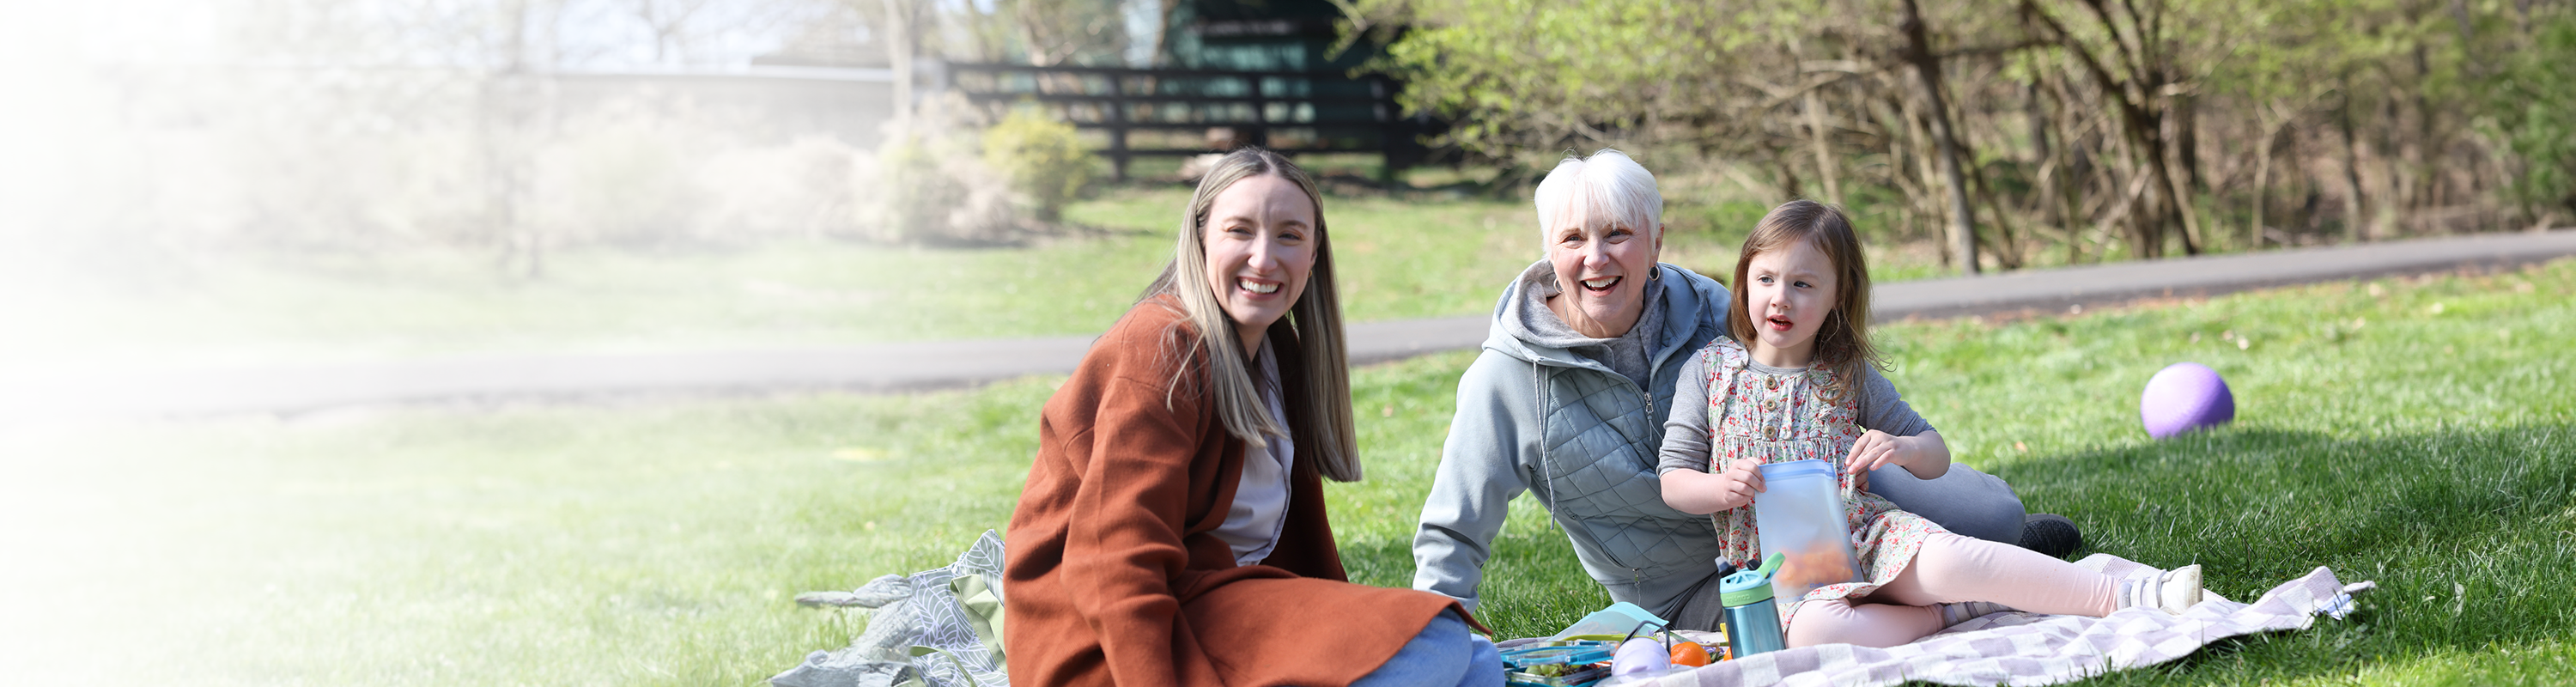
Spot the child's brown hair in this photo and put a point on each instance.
(1842, 345)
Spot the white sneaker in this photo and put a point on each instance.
(2173, 592)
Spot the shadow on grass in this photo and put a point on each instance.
(1533, 584)
(2467, 533)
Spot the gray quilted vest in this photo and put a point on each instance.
(1598, 455)
(1598, 462)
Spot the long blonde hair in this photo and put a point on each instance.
(1843, 345)
(1314, 369)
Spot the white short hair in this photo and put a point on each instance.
(1606, 186)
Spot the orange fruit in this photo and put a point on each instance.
(1690, 654)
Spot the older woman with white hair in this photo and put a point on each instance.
(1569, 399)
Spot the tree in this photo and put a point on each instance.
(2122, 125)
(2535, 115)
(1927, 73)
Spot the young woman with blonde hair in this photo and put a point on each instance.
(1173, 531)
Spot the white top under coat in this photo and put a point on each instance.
(1260, 507)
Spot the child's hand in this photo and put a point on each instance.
(1737, 484)
(1702, 493)
(1876, 449)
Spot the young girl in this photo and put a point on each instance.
(1796, 380)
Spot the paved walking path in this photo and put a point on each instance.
(932, 364)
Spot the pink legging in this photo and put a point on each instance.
(1950, 569)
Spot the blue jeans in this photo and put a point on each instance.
(1963, 501)
(1443, 653)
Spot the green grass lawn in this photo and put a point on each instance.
(2413, 432)
(1399, 258)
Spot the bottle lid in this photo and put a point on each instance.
(1749, 586)
(1790, 469)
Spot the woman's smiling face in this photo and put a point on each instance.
(1788, 293)
(1260, 239)
(1603, 268)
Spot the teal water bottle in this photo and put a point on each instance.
(1752, 617)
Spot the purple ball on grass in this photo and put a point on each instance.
(2185, 397)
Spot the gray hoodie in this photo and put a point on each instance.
(1540, 411)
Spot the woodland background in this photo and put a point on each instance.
(2130, 127)
(2024, 133)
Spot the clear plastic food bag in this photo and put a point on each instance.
(1800, 515)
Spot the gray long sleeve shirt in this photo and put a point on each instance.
(1686, 427)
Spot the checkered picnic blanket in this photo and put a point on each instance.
(2014, 648)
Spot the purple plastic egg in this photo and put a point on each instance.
(1639, 655)
(2185, 397)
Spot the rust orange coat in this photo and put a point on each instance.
(1114, 575)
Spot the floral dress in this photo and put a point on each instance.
(1798, 416)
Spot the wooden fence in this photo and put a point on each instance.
(1291, 112)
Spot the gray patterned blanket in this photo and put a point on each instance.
(2014, 648)
(940, 627)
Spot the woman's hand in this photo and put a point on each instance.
(1702, 493)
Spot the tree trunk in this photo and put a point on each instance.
(2075, 169)
(2009, 256)
(899, 52)
(2177, 201)
(2427, 140)
(1824, 152)
(2352, 219)
(2186, 140)
(1163, 32)
(2174, 182)
(1927, 70)
(2146, 229)
(2044, 158)
(504, 127)
(1920, 203)
(2394, 180)
(2262, 181)
(2312, 187)
(1789, 185)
